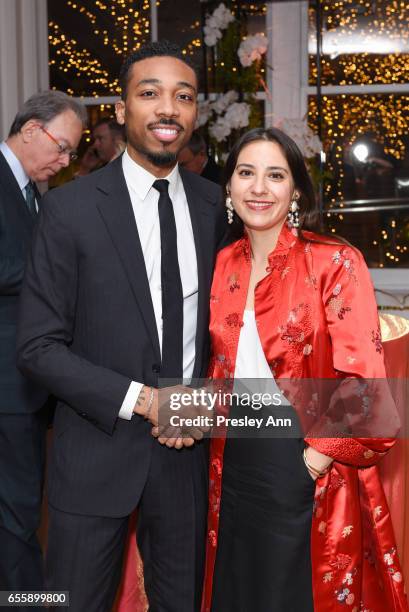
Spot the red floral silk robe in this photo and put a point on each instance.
(317, 319)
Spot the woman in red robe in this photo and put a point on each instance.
(297, 524)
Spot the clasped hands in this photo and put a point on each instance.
(168, 421)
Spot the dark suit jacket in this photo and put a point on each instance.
(87, 328)
(17, 395)
(212, 171)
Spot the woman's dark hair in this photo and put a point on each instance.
(308, 213)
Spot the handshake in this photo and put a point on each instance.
(180, 426)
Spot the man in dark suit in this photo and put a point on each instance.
(42, 138)
(115, 299)
(195, 158)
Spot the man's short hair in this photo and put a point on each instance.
(162, 48)
(115, 128)
(197, 143)
(46, 105)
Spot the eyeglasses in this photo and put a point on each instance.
(62, 150)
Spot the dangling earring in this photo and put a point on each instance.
(292, 217)
(229, 209)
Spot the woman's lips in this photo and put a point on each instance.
(259, 206)
(165, 134)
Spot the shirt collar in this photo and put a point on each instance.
(141, 180)
(15, 164)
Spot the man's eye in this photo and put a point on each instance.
(148, 94)
(186, 97)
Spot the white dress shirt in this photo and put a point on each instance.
(144, 200)
(17, 169)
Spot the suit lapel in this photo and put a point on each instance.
(200, 208)
(115, 207)
(15, 195)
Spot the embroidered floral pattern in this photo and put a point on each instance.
(322, 527)
(233, 281)
(336, 304)
(275, 365)
(217, 466)
(234, 320)
(297, 326)
(341, 561)
(390, 562)
(341, 257)
(344, 595)
(212, 537)
(336, 482)
(285, 272)
(277, 262)
(377, 340)
(347, 531)
(307, 350)
(310, 281)
(244, 246)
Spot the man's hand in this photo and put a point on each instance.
(147, 404)
(173, 436)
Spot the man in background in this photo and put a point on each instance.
(42, 140)
(109, 139)
(194, 157)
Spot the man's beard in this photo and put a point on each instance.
(161, 159)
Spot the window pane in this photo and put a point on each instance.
(88, 40)
(379, 122)
(363, 42)
(366, 143)
(381, 235)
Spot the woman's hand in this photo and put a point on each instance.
(316, 463)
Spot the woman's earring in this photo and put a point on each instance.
(293, 219)
(229, 209)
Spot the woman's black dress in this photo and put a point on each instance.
(263, 557)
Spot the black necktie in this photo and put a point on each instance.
(31, 198)
(172, 293)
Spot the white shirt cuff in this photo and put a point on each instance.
(130, 400)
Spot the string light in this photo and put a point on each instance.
(369, 24)
(344, 118)
(128, 29)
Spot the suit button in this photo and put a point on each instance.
(156, 368)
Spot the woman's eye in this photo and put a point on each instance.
(245, 173)
(277, 176)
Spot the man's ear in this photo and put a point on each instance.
(28, 129)
(120, 112)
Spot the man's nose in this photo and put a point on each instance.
(167, 107)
